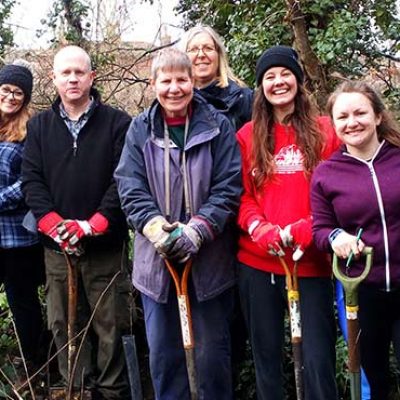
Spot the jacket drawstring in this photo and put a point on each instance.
(167, 173)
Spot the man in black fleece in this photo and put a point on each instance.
(70, 155)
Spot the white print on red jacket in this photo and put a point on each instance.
(289, 160)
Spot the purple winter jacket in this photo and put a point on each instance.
(350, 193)
(214, 175)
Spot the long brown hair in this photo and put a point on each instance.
(388, 129)
(13, 128)
(303, 120)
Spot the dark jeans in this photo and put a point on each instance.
(239, 337)
(263, 297)
(22, 272)
(211, 320)
(379, 317)
(101, 357)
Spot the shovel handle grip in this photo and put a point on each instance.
(350, 284)
(291, 278)
(181, 284)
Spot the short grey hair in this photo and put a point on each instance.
(170, 59)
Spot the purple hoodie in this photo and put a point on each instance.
(351, 193)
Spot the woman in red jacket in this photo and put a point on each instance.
(280, 148)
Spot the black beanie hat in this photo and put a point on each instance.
(279, 56)
(19, 74)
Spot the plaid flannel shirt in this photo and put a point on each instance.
(76, 126)
(12, 205)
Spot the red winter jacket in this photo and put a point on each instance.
(283, 200)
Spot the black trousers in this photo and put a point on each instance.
(263, 297)
(22, 272)
(379, 317)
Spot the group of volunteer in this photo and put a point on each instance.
(214, 174)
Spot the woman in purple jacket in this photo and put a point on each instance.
(358, 188)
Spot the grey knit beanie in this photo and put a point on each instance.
(279, 56)
(19, 74)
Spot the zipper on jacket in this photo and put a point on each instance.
(74, 147)
(383, 220)
(381, 209)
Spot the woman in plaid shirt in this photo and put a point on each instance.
(21, 259)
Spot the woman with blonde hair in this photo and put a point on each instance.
(213, 77)
(21, 262)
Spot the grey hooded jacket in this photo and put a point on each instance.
(213, 168)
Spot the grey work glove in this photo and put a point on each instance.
(190, 237)
(158, 231)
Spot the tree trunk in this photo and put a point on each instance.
(73, 20)
(312, 66)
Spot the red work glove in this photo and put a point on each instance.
(75, 250)
(267, 236)
(299, 236)
(48, 225)
(74, 230)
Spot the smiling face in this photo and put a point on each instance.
(355, 124)
(72, 75)
(11, 99)
(280, 88)
(203, 54)
(174, 91)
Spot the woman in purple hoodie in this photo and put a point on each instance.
(358, 187)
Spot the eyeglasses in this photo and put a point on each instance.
(205, 49)
(16, 94)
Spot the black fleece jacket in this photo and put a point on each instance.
(76, 181)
